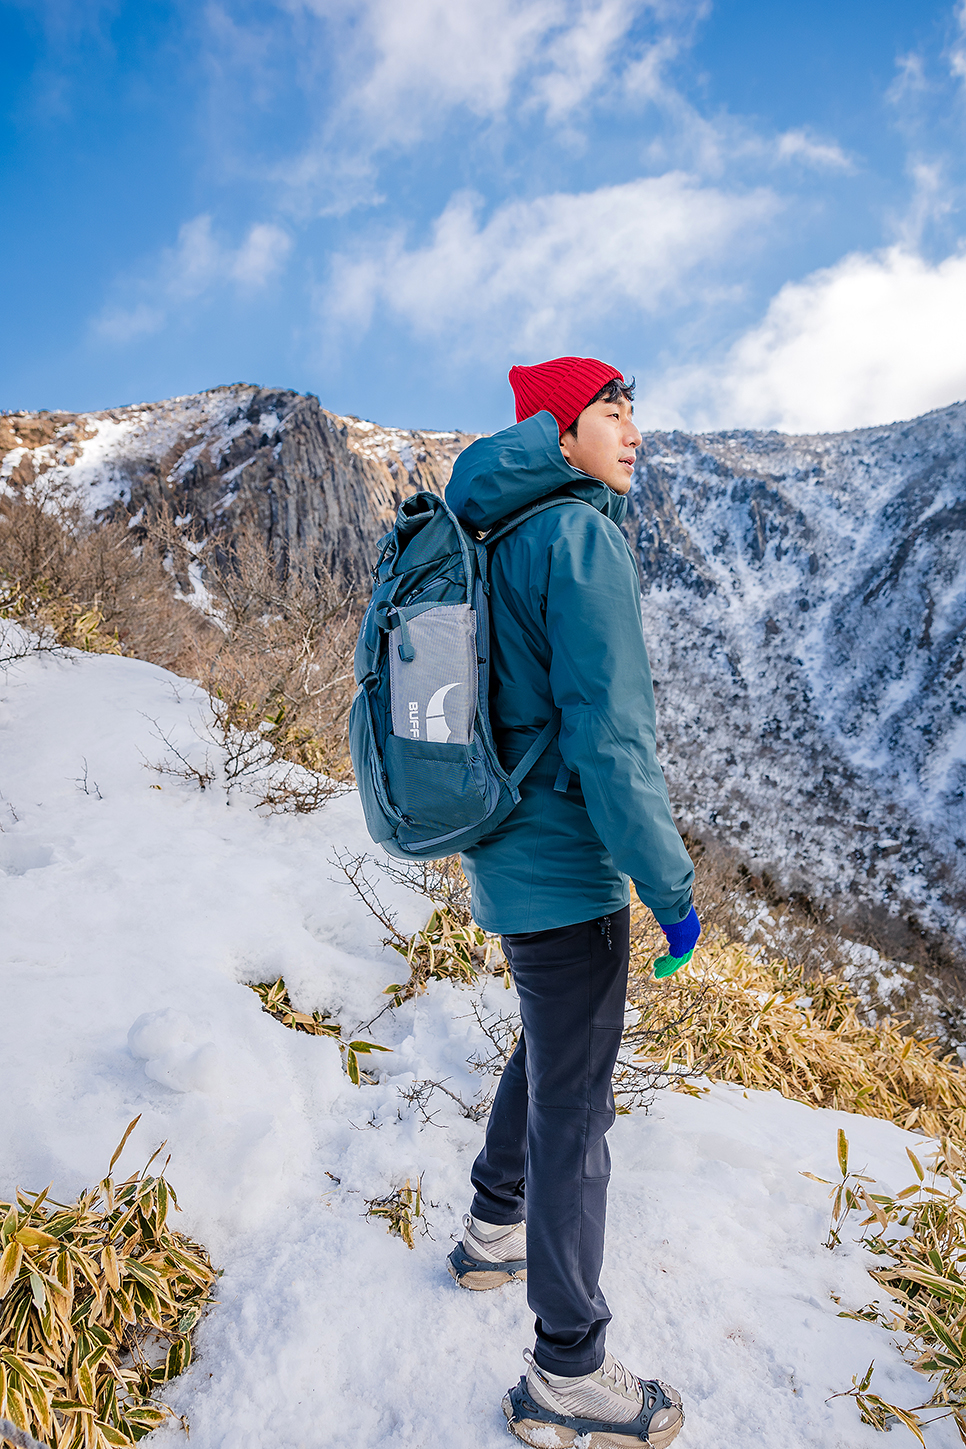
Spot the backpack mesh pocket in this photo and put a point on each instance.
(435, 786)
(434, 693)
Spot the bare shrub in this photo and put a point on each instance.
(271, 641)
(90, 586)
(421, 1092)
(282, 666)
(451, 946)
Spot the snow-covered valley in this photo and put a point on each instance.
(134, 909)
(805, 601)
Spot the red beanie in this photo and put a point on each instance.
(563, 387)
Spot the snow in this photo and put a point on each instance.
(8, 463)
(371, 440)
(95, 458)
(135, 908)
(804, 604)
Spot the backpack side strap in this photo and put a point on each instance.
(550, 729)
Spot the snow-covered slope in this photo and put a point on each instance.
(134, 908)
(805, 600)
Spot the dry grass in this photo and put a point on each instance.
(98, 1301)
(400, 1209)
(924, 1277)
(918, 973)
(736, 1017)
(733, 1014)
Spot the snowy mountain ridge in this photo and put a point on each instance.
(804, 600)
(270, 457)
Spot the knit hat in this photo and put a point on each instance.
(562, 387)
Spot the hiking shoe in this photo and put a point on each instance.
(489, 1254)
(609, 1409)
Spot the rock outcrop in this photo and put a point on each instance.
(237, 454)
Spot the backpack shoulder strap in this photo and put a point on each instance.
(501, 530)
(552, 728)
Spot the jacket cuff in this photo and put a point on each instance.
(671, 918)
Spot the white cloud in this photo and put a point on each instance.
(406, 64)
(197, 264)
(200, 260)
(260, 256)
(384, 76)
(932, 199)
(800, 146)
(582, 55)
(119, 324)
(875, 338)
(957, 55)
(538, 273)
(396, 69)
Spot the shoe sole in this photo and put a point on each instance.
(491, 1278)
(555, 1436)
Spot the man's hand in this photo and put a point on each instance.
(682, 937)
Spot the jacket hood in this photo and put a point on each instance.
(498, 475)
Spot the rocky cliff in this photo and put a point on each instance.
(804, 599)
(237, 454)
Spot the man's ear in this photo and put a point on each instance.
(567, 441)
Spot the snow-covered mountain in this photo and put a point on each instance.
(805, 599)
(238, 454)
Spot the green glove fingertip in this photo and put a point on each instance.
(667, 965)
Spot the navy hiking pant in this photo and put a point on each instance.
(545, 1157)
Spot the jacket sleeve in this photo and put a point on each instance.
(601, 680)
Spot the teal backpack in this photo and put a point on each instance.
(419, 730)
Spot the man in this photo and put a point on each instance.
(553, 880)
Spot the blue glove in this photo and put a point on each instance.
(682, 936)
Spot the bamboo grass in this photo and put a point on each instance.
(98, 1301)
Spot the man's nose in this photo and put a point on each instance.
(632, 437)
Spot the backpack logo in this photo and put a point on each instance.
(437, 729)
(441, 668)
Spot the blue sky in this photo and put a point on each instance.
(756, 208)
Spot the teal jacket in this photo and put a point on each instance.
(566, 630)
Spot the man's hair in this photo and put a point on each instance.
(613, 391)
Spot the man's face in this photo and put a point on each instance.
(606, 443)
